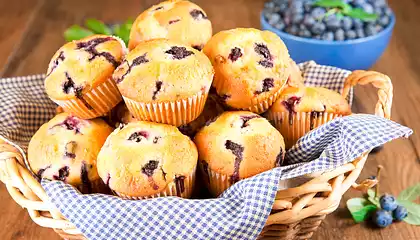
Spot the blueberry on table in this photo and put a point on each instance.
(347, 23)
(400, 213)
(328, 36)
(382, 218)
(350, 34)
(318, 13)
(318, 28)
(388, 202)
(339, 35)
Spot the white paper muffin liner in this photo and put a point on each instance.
(175, 113)
(101, 99)
(300, 124)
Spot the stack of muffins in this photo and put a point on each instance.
(175, 108)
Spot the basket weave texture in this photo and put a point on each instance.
(296, 214)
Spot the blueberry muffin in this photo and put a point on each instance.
(144, 159)
(211, 110)
(65, 148)
(251, 67)
(237, 145)
(164, 81)
(299, 110)
(181, 21)
(79, 76)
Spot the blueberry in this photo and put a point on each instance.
(357, 23)
(296, 7)
(287, 18)
(318, 28)
(318, 13)
(317, 37)
(370, 30)
(378, 28)
(274, 18)
(378, 3)
(379, 11)
(309, 21)
(332, 22)
(267, 14)
(307, 5)
(388, 11)
(328, 36)
(269, 5)
(383, 21)
(297, 18)
(339, 35)
(368, 8)
(382, 218)
(305, 33)
(282, 7)
(360, 33)
(358, 3)
(400, 213)
(350, 34)
(279, 25)
(388, 202)
(293, 29)
(347, 23)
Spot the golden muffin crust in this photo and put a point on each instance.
(296, 78)
(311, 99)
(240, 145)
(142, 158)
(162, 70)
(65, 148)
(249, 65)
(181, 21)
(81, 65)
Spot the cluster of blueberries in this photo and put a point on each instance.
(390, 210)
(302, 18)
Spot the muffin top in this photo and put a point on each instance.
(295, 79)
(211, 109)
(311, 99)
(240, 144)
(162, 70)
(249, 64)
(65, 148)
(181, 21)
(142, 158)
(81, 65)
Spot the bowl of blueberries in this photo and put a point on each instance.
(349, 34)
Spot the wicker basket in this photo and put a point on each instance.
(296, 214)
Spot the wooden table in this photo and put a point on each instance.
(31, 31)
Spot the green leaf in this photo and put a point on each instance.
(332, 4)
(98, 27)
(372, 197)
(360, 209)
(410, 193)
(412, 219)
(361, 14)
(122, 32)
(76, 32)
(339, 15)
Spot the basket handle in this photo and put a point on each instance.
(380, 81)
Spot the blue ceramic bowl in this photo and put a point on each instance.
(350, 54)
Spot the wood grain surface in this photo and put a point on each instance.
(31, 31)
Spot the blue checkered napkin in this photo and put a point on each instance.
(241, 211)
(239, 214)
(325, 76)
(24, 107)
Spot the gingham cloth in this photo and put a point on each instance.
(239, 213)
